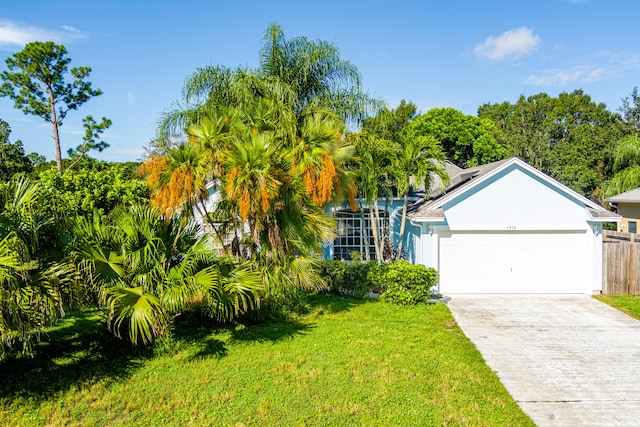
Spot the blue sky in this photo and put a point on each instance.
(456, 53)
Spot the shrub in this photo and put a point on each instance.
(278, 305)
(404, 283)
(346, 278)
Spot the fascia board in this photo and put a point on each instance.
(563, 188)
(428, 219)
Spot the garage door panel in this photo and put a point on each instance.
(512, 262)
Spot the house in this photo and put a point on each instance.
(503, 227)
(627, 204)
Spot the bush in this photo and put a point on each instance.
(404, 283)
(276, 306)
(347, 278)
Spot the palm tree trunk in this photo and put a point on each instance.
(374, 229)
(364, 233)
(402, 226)
(380, 231)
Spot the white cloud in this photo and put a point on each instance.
(16, 34)
(13, 34)
(71, 29)
(561, 77)
(512, 43)
(131, 98)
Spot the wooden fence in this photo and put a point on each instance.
(620, 263)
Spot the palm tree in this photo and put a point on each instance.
(416, 158)
(319, 154)
(32, 284)
(316, 73)
(626, 167)
(303, 74)
(253, 179)
(146, 270)
(209, 89)
(375, 158)
(287, 157)
(178, 179)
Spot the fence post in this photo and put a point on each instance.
(632, 260)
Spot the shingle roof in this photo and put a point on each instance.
(601, 213)
(631, 196)
(428, 209)
(436, 182)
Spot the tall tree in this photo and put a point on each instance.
(374, 167)
(300, 73)
(466, 140)
(417, 157)
(316, 73)
(569, 137)
(411, 154)
(278, 155)
(631, 111)
(37, 81)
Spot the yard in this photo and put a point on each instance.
(347, 362)
(629, 304)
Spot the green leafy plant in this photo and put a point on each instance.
(33, 286)
(146, 270)
(347, 278)
(404, 283)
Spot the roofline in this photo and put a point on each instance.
(514, 160)
(607, 219)
(613, 200)
(428, 219)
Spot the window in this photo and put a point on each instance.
(632, 227)
(354, 233)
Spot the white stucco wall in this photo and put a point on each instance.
(517, 200)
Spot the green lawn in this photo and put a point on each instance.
(347, 363)
(629, 304)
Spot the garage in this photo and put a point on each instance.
(513, 262)
(506, 227)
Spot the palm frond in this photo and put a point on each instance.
(141, 313)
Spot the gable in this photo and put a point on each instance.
(515, 199)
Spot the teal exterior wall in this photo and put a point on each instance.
(394, 208)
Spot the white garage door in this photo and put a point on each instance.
(513, 262)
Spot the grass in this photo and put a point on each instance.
(629, 304)
(347, 363)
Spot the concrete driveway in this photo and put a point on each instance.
(567, 360)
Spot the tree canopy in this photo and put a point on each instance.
(302, 74)
(466, 141)
(37, 79)
(568, 137)
(12, 156)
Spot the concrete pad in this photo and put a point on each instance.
(568, 360)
